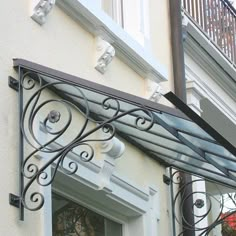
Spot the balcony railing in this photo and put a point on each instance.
(217, 19)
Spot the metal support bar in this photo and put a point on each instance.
(166, 180)
(13, 83)
(14, 200)
(32, 87)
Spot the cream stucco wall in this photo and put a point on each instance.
(62, 44)
(161, 38)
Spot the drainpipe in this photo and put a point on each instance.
(180, 91)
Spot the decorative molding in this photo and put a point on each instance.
(112, 149)
(119, 189)
(105, 53)
(154, 203)
(195, 83)
(127, 49)
(41, 10)
(194, 97)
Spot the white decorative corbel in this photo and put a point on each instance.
(185, 22)
(105, 53)
(41, 9)
(194, 96)
(153, 91)
(112, 149)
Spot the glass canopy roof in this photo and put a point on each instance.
(175, 137)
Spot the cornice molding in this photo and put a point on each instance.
(119, 189)
(201, 88)
(127, 49)
(41, 10)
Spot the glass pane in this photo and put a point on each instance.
(112, 228)
(72, 219)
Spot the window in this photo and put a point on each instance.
(132, 16)
(71, 219)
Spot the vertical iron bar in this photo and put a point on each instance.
(188, 7)
(213, 19)
(205, 15)
(201, 14)
(217, 22)
(209, 19)
(184, 4)
(234, 40)
(197, 11)
(221, 17)
(223, 26)
(21, 143)
(172, 201)
(226, 31)
(231, 35)
(192, 9)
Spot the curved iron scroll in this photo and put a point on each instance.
(67, 120)
(213, 206)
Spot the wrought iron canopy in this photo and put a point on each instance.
(174, 137)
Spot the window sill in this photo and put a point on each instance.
(127, 49)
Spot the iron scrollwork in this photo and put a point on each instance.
(42, 101)
(213, 206)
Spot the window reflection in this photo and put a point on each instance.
(72, 219)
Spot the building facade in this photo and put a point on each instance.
(86, 148)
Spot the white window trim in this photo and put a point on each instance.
(117, 12)
(141, 204)
(139, 32)
(128, 50)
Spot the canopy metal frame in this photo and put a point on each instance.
(174, 137)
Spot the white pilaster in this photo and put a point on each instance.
(194, 97)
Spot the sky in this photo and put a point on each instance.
(234, 3)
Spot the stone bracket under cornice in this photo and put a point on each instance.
(153, 91)
(97, 22)
(112, 150)
(105, 53)
(41, 8)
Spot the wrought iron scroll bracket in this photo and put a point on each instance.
(56, 107)
(212, 207)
